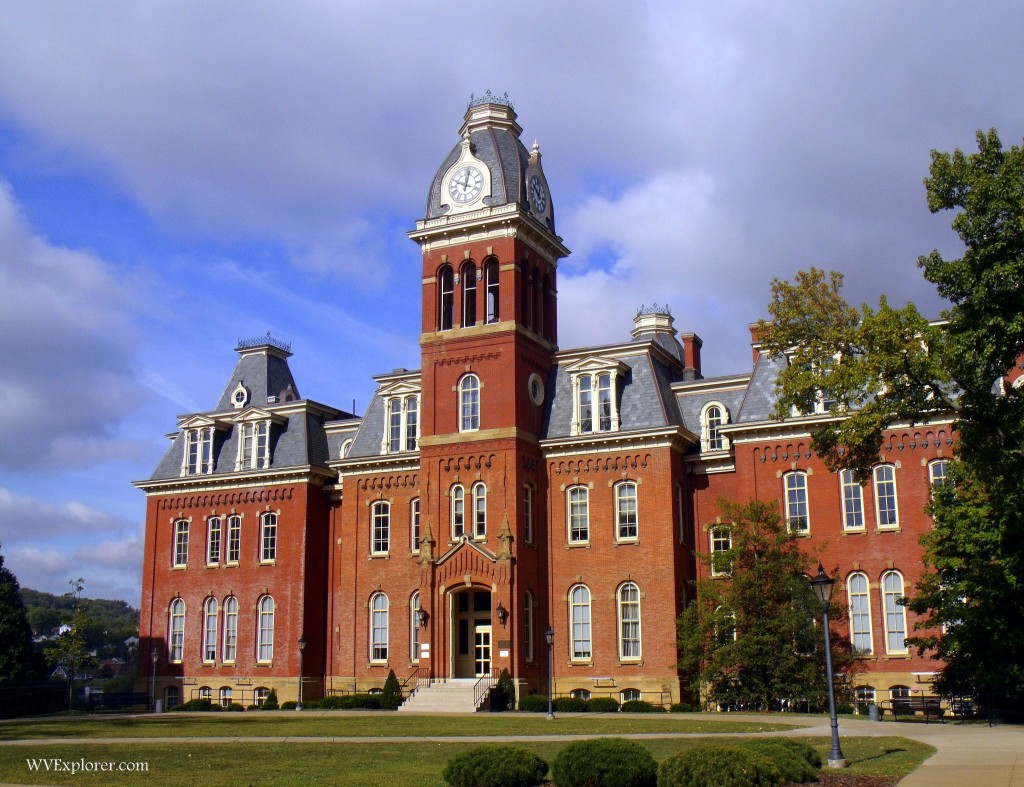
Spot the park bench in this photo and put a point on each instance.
(911, 706)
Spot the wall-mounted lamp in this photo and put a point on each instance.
(422, 616)
(502, 613)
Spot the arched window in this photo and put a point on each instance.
(630, 695)
(380, 536)
(458, 511)
(268, 537)
(938, 470)
(853, 501)
(205, 693)
(468, 295)
(864, 695)
(491, 283)
(379, 627)
(210, 630)
(414, 523)
(479, 510)
(394, 425)
(528, 514)
(446, 298)
(176, 631)
(629, 621)
(198, 451)
(253, 446)
(900, 693)
(260, 695)
(181, 542)
(411, 422)
(528, 624)
(213, 541)
(713, 417)
(721, 546)
(797, 518)
(594, 404)
(469, 403)
(234, 538)
(895, 613)
(579, 615)
(230, 630)
(585, 397)
(265, 639)
(625, 511)
(580, 694)
(604, 402)
(224, 694)
(860, 612)
(886, 510)
(414, 628)
(579, 514)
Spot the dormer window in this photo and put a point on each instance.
(403, 424)
(254, 445)
(595, 400)
(713, 417)
(240, 396)
(198, 451)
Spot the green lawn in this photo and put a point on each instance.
(380, 764)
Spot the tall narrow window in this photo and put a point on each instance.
(379, 627)
(479, 510)
(210, 630)
(895, 613)
(586, 404)
(579, 614)
(528, 514)
(381, 528)
(414, 524)
(604, 402)
(181, 542)
(796, 503)
(446, 300)
(254, 446)
(213, 541)
(629, 621)
(937, 472)
(414, 628)
(469, 403)
(268, 537)
(725, 625)
(265, 641)
(230, 629)
(860, 612)
(579, 514)
(394, 425)
(721, 548)
(853, 501)
(234, 538)
(458, 511)
(885, 496)
(198, 451)
(713, 418)
(468, 295)
(681, 514)
(262, 458)
(176, 631)
(411, 422)
(491, 283)
(528, 624)
(625, 511)
(527, 284)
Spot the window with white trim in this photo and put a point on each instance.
(176, 631)
(797, 518)
(579, 616)
(528, 625)
(458, 511)
(886, 510)
(479, 510)
(198, 451)
(468, 295)
(234, 538)
(230, 630)
(254, 445)
(626, 511)
(414, 628)
(630, 695)
(492, 286)
(403, 424)
(265, 635)
(853, 501)
(860, 612)
(528, 514)
(379, 627)
(721, 551)
(213, 541)
(414, 524)
(181, 542)
(446, 298)
(895, 613)
(938, 470)
(210, 630)
(713, 417)
(864, 695)
(595, 402)
(629, 621)
(268, 537)
(380, 536)
(579, 514)
(224, 694)
(205, 693)
(469, 403)
(580, 694)
(412, 426)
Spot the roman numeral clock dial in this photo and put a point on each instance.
(465, 185)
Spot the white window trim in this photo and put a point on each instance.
(895, 497)
(568, 513)
(179, 556)
(408, 429)
(468, 421)
(843, 485)
(527, 514)
(230, 614)
(806, 529)
(380, 509)
(263, 642)
(936, 463)
(593, 367)
(176, 631)
(228, 560)
(716, 572)
(618, 511)
(457, 494)
(902, 611)
(588, 622)
(479, 495)
(212, 560)
(256, 433)
(210, 642)
(266, 517)
(414, 525)
(705, 428)
(414, 628)
(866, 595)
(386, 616)
(639, 617)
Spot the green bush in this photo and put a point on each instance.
(602, 705)
(270, 703)
(712, 765)
(391, 696)
(236, 707)
(495, 766)
(844, 707)
(606, 762)
(791, 763)
(570, 705)
(802, 749)
(252, 707)
(196, 705)
(504, 696)
(289, 705)
(534, 703)
(683, 707)
(641, 706)
(355, 701)
(312, 704)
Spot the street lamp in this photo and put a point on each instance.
(152, 675)
(549, 635)
(302, 647)
(822, 587)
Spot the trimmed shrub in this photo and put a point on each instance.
(844, 707)
(605, 762)
(196, 705)
(641, 706)
(571, 705)
(252, 707)
(289, 705)
(503, 697)
(791, 764)
(270, 703)
(236, 707)
(391, 695)
(495, 766)
(602, 705)
(712, 765)
(357, 701)
(683, 707)
(802, 749)
(534, 703)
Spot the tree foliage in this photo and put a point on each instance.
(69, 649)
(750, 639)
(885, 366)
(18, 659)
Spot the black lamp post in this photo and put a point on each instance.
(549, 635)
(302, 647)
(822, 587)
(152, 674)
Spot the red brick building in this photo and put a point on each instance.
(504, 487)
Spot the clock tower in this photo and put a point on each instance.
(489, 332)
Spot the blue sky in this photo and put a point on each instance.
(176, 176)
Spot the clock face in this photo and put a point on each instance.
(538, 196)
(466, 184)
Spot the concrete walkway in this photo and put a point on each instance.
(968, 755)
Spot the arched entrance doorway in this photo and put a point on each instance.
(471, 632)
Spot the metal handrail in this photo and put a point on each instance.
(482, 686)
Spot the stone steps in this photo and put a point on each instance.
(454, 696)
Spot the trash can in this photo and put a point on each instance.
(158, 706)
(872, 712)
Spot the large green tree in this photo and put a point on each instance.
(888, 365)
(69, 649)
(749, 636)
(18, 659)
